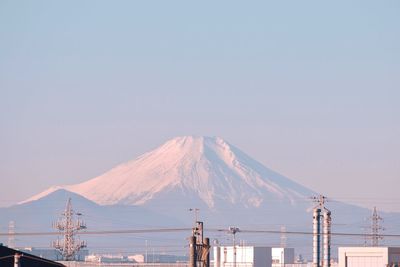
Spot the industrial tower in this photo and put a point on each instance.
(199, 247)
(321, 215)
(69, 227)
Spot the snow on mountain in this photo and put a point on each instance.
(207, 167)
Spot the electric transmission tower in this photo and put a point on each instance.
(69, 227)
(375, 228)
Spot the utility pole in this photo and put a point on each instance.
(69, 246)
(233, 231)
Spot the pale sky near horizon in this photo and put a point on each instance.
(311, 89)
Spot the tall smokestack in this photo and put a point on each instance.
(192, 252)
(327, 238)
(316, 237)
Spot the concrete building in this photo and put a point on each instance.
(242, 256)
(369, 256)
(282, 256)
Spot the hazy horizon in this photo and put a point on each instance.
(310, 89)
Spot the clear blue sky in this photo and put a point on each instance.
(309, 88)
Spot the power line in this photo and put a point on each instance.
(104, 232)
(172, 230)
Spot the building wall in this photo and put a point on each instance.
(246, 256)
(364, 256)
(394, 254)
(262, 257)
(282, 256)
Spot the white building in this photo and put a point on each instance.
(106, 258)
(242, 256)
(369, 256)
(282, 256)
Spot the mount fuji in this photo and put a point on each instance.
(226, 185)
(194, 172)
(208, 168)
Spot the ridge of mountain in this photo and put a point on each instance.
(210, 168)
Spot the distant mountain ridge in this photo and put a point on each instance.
(38, 216)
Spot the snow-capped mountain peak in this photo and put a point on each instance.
(206, 167)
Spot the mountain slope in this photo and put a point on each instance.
(38, 216)
(209, 168)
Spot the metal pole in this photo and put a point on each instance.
(316, 237)
(192, 251)
(234, 250)
(233, 231)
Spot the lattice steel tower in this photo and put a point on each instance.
(69, 227)
(375, 228)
